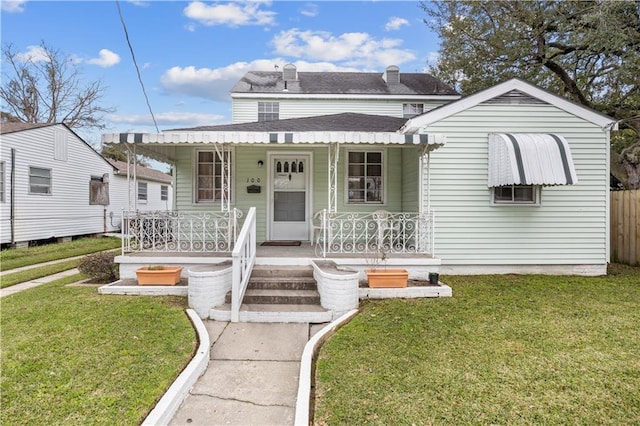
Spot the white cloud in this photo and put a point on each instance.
(231, 14)
(351, 49)
(310, 10)
(106, 59)
(395, 23)
(216, 83)
(167, 119)
(11, 6)
(139, 3)
(33, 54)
(432, 58)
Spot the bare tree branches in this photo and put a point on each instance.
(49, 89)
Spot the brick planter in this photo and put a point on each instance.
(208, 285)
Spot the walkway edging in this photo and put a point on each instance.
(310, 350)
(166, 408)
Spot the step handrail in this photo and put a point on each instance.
(243, 258)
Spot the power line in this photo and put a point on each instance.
(135, 63)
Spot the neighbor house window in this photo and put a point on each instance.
(516, 194)
(365, 177)
(39, 180)
(268, 111)
(142, 191)
(209, 178)
(2, 182)
(411, 110)
(164, 192)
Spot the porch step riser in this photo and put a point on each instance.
(278, 298)
(300, 272)
(278, 284)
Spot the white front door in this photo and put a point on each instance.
(289, 199)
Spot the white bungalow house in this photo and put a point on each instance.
(55, 185)
(512, 179)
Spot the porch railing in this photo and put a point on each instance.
(179, 231)
(381, 231)
(244, 257)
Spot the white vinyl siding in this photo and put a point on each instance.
(2, 182)
(246, 110)
(569, 226)
(66, 211)
(60, 145)
(39, 181)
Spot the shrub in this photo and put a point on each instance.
(100, 267)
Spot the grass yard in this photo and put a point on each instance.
(37, 272)
(71, 356)
(504, 350)
(16, 258)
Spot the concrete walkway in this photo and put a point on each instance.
(34, 283)
(252, 378)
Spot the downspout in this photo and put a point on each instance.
(135, 178)
(12, 194)
(607, 133)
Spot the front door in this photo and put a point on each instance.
(289, 197)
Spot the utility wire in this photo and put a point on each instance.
(135, 63)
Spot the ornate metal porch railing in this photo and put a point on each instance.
(179, 231)
(376, 232)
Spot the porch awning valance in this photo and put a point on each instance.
(530, 159)
(394, 138)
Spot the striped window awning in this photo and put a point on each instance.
(530, 159)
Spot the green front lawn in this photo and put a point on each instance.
(504, 350)
(71, 356)
(36, 272)
(16, 258)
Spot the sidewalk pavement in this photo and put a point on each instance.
(34, 283)
(252, 377)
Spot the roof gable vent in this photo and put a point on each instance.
(289, 73)
(392, 75)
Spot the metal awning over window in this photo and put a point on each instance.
(530, 159)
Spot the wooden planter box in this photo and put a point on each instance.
(168, 275)
(387, 278)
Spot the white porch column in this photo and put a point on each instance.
(334, 156)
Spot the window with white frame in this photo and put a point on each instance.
(164, 192)
(364, 177)
(39, 180)
(209, 176)
(268, 111)
(2, 180)
(516, 195)
(411, 110)
(142, 191)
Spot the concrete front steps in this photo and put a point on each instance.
(278, 294)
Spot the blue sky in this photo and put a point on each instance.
(190, 54)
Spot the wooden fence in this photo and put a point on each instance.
(625, 227)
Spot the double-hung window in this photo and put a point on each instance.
(142, 191)
(516, 195)
(365, 178)
(411, 110)
(164, 192)
(268, 111)
(211, 179)
(39, 180)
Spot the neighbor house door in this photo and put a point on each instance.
(289, 200)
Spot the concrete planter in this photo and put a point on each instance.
(208, 286)
(159, 275)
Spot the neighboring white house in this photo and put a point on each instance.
(511, 179)
(140, 188)
(55, 185)
(52, 184)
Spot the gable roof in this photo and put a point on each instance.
(141, 172)
(343, 83)
(414, 124)
(19, 127)
(343, 122)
